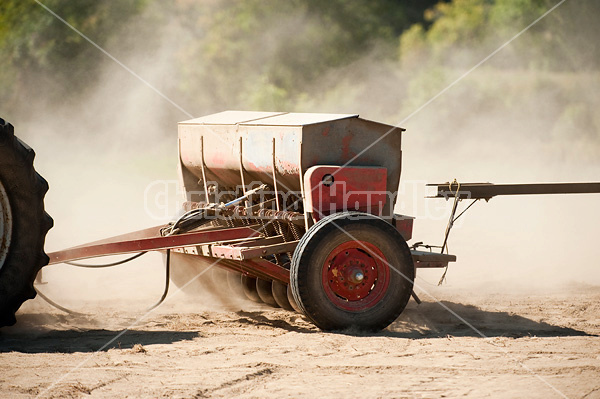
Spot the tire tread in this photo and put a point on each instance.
(22, 264)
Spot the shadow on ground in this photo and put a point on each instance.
(428, 320)
(69, 341)
(259, 319)
(432, 319)
(44, 333)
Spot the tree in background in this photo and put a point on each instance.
(544, 77)
(382, 57)
(267, 53)
(460, 26)
(41, 59)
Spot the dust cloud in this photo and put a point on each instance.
(506, 122)
(101, 152)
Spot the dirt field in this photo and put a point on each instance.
(539, 345)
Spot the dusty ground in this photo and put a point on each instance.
(537, 345)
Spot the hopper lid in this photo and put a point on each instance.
(266, 118)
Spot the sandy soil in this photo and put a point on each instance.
(536, 345)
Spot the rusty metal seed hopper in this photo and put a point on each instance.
(298, 208)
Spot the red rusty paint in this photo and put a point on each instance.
(325, 132)
(355, 276)
(287, 168)
(215, 159)
(255, 168)
(354, 188)
(347, 153)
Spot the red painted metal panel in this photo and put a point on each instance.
(404, 224)
(331, 189)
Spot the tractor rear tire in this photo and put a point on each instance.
(24, 224)
(352, 270)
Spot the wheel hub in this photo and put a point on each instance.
(5, 225)
(351, 274)
(355, 275)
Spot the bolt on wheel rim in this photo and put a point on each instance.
(5, 225)
(355, 275)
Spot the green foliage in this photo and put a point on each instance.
(38, 51)
(451, 30)
(461, 22)
(468, 24)
(283, 47)
(506, 15)
(384, 58)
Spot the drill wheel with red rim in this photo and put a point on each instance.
(352, 270)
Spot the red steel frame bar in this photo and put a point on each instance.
(270, 269)
(151, 240)
(147, 240)
(238, 256)
(244, 253)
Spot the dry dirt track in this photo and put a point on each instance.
(540, 345)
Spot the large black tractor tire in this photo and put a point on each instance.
(352, 270)
(24, 224)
